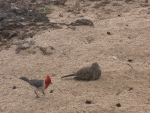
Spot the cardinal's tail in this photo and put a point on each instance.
(25, 79)
(68, 75)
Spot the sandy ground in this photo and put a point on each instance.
(122, 82)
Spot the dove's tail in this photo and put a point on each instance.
(68, 75)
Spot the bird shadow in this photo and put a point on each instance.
(75, 79)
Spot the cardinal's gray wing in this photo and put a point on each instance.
(37, 83)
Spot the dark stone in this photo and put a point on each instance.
(88, 102)
(108, 33)
(14, 87)
(131, 88)
(118, 105)
(129, 60)
(80, 22)
(51, 91)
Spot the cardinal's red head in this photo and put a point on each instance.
(47, 81)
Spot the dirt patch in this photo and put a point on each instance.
(118, 41)
(22, 19)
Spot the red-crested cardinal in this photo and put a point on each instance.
(40, 85)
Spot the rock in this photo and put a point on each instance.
(115, 57)
(108, 33)
(51, 91)
(119, 15)
(118, 105)
(80, 22)
(14, 87)
(88, 102)
(129, 60)
(131, 88)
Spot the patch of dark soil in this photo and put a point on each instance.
(22, 19)
(29, 47)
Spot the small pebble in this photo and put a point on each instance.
(51, 91)
(129, 60)
(88, 102)
(129, 37)
(131, 88)
(108, 33)
(115, 57)
(118, 105)
(14, 87)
